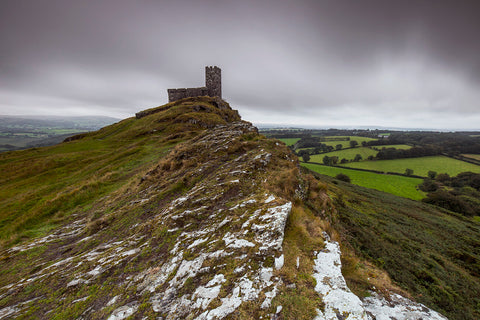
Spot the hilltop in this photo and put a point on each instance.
(187, 212)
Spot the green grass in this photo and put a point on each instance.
(289, 141)
(348, 154)
(396, 146)
(432, 253)
(397, 185)
(41, 187)
(344, 142)
(420, 166)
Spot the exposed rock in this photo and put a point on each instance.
(198, 236)
(341, 303)
(225, 233)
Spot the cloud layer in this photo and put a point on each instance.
(326, 63)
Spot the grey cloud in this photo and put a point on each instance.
(374, 60)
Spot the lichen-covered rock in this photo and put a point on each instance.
(204, 236)
(199, 235)
(341, 303)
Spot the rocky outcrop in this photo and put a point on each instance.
(200, 254)
(200, 235)
(341, 303)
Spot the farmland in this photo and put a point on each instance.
(348, 154)
(396, 146)
(289, 141)
(17, 132)
(344, 140)
(397, 185)
(420, 166)
(420, 152)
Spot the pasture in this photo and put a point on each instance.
(420, 166)
(397, 185)
(396, 146)
(348, 154)
(289, 141)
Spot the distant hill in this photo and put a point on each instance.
(20, 132)
(187, 212)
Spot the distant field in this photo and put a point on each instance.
(472, 156)
(396, 146)
(289, 141)
(420, 166)
(396, 185)
(348, 154)
(344, 142)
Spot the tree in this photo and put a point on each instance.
(327, 161)
(306, 157)
(358, 157)
(409, 172)
(339, 146)
(343, 161)
(353, 143)
(334, 160)
(432, 174)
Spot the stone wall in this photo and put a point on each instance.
(177, 94)
(213, 88)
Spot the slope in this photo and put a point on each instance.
(430, 252)
(184, 212)
(43, 186)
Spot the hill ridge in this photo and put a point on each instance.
(203, 218)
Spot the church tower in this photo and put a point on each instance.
(213, 81)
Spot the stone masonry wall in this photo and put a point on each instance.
(177, 94)
(213, 88)
(213, 81)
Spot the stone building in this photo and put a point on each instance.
(213, 86)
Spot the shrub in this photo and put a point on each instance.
(306, 157)
(428, 185)
(450, 202)
(343, 177)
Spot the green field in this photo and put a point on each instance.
(396, 146)
(344, 142)
(397, 185)
(348, 154)
(420, 166)
(289, 141)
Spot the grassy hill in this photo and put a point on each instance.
(187, 212)
(41, 187)
(134, 218)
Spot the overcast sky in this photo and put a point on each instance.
(327, 63)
